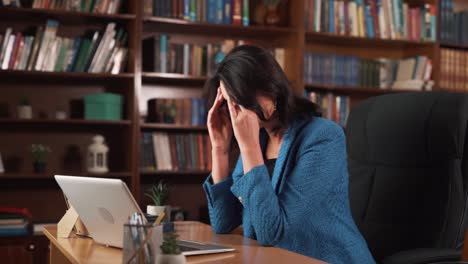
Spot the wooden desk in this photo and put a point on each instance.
(83, 250)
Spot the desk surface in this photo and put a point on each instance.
(85, 250)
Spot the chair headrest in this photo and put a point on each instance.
(408, 128)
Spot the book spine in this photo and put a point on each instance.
(236, 12)
(227, 16)
(245, 13)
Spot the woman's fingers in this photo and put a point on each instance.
(218, 101)
(232, 110)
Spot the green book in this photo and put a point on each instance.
(84, 48)
(193, 12)
(61, 56)
(245, 13)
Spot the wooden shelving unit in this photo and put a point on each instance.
(50, 176)
(454, 46)
(124, 135)
(351, 90)
(172, 127)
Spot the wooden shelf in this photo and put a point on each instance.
(179, 173)
(69, 17)
(349, 41)
(454, 46)
(173, 127)
(173, 79)
(180, 26)
(65, 122)
(50, 175)
(350, 90)
(62, 77)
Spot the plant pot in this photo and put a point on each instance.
(171, 259)
(272, 17)
(39, 167)
(24, 112)
(156, 210)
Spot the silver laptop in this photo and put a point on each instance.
(105, 205)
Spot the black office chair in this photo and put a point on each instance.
(408, 175)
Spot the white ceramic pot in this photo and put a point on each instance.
(171, 259)
(25, 112)
(61, 115)
(155, 210)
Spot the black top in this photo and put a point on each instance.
(270, 164)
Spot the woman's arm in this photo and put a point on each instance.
(224, 208)
(319, 168)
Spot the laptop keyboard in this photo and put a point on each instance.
(186, 249)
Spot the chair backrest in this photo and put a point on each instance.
(408, 170)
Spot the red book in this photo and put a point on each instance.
(375, 18)
(173, 150)
(417, 24)
(14, 51)
(346, 17)
(209, 161)
(180, 9)
(175, 8)
(237, 12)
(201, 152)
(18, 53)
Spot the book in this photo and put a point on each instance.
(386, 19)
(46, 51)
(454, 64)
(334, 107)
(160, 151)
(2, 168)
(96, 6)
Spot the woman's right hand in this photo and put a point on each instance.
(219, 126)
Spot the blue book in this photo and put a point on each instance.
(211, 11)
(194, 118)
(4, 232)
(331, 16)
(76, 47)
(219, 11)
(187, 9)
(202, 111)
(227, 14)
(369, 23)
(163, 53)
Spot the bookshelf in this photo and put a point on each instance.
(137, 84)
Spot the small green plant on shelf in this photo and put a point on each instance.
(169, 245)
(40, 154)
(159, 193)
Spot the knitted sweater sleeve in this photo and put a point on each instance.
(320, 163)
(223, 207)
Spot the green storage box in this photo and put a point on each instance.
(103, 106)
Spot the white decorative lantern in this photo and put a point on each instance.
(97, 155)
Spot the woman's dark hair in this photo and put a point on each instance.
(248, 71)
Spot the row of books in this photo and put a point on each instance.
(333, 107)
(187, 111)
(454, 69)
(410, 73)
(454, 21)
(386, 19)
(234, 12)
(96, 52)
(175, 151)
(91, 6)
(14, 222)
(184, 58)
(194, 59)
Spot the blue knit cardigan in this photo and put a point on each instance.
(304, 207)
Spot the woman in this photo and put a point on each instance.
(290, 186)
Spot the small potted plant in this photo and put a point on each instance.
(24, 109)
(170, 251)
(39, 154)
(159, 195)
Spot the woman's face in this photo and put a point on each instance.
(268, 106)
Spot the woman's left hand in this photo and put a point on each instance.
(246, 127)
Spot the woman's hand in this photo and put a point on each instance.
(219, 126)
(246, 130)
